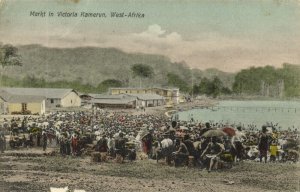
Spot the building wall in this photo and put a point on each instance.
(36, 107)
(33, 107)
(129, 91)
(14, 107)
(52, 103)
(150, 103)
(3, 106)
(71, 100)
(171, 95)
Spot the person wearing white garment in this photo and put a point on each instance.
(237, 144)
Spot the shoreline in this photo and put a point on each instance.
(192, 105)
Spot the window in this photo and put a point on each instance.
(71, 101)
(52, 101)
(24, 106)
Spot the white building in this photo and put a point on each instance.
(54, 97)
(148, 100)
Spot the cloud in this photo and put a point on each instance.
(205, 50)
(153, 30)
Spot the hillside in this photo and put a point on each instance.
(93, 65)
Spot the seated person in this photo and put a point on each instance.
(181, 154)
(213, 152)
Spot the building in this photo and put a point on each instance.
(54, 97)
(21, 104)
(113, 101)
(148, 100)
(171, 95)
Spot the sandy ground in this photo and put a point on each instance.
(31, 170)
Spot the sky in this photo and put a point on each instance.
(229, 35)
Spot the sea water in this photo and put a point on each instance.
(284, 113)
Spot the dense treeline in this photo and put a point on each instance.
(268, 81)
(137, 70)
(248, 82)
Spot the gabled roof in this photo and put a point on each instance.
(20, 98)
(25, 99)
(147, 96)
(45, 92)
(4, 95)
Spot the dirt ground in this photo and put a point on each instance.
(31, 170)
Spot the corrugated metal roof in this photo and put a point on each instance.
(106, 96)
(112, 101)
(45, 92)
(137, 88)
(147, 96)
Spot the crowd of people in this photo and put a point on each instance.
(121, 135)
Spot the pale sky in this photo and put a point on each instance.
(226, 34)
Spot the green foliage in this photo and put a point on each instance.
(106, 84)
(214, 87)
(9, 56)
(249, 81)
(142, 71)
(176, 81)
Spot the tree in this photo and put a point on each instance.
(8, 57)
(175, 80)
(142, 71)
(106, 84)
(204, 86)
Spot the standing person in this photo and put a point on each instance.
(38, 137)
(111, 145)
(62, 145)
(120, 147)
(102, 144)
(263, 144)
(2, 143)
(68, 146)
(74, 142)
(44, 141)
(147, 144)
(273, 151)
(237, 145)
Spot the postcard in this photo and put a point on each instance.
(148, 95)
